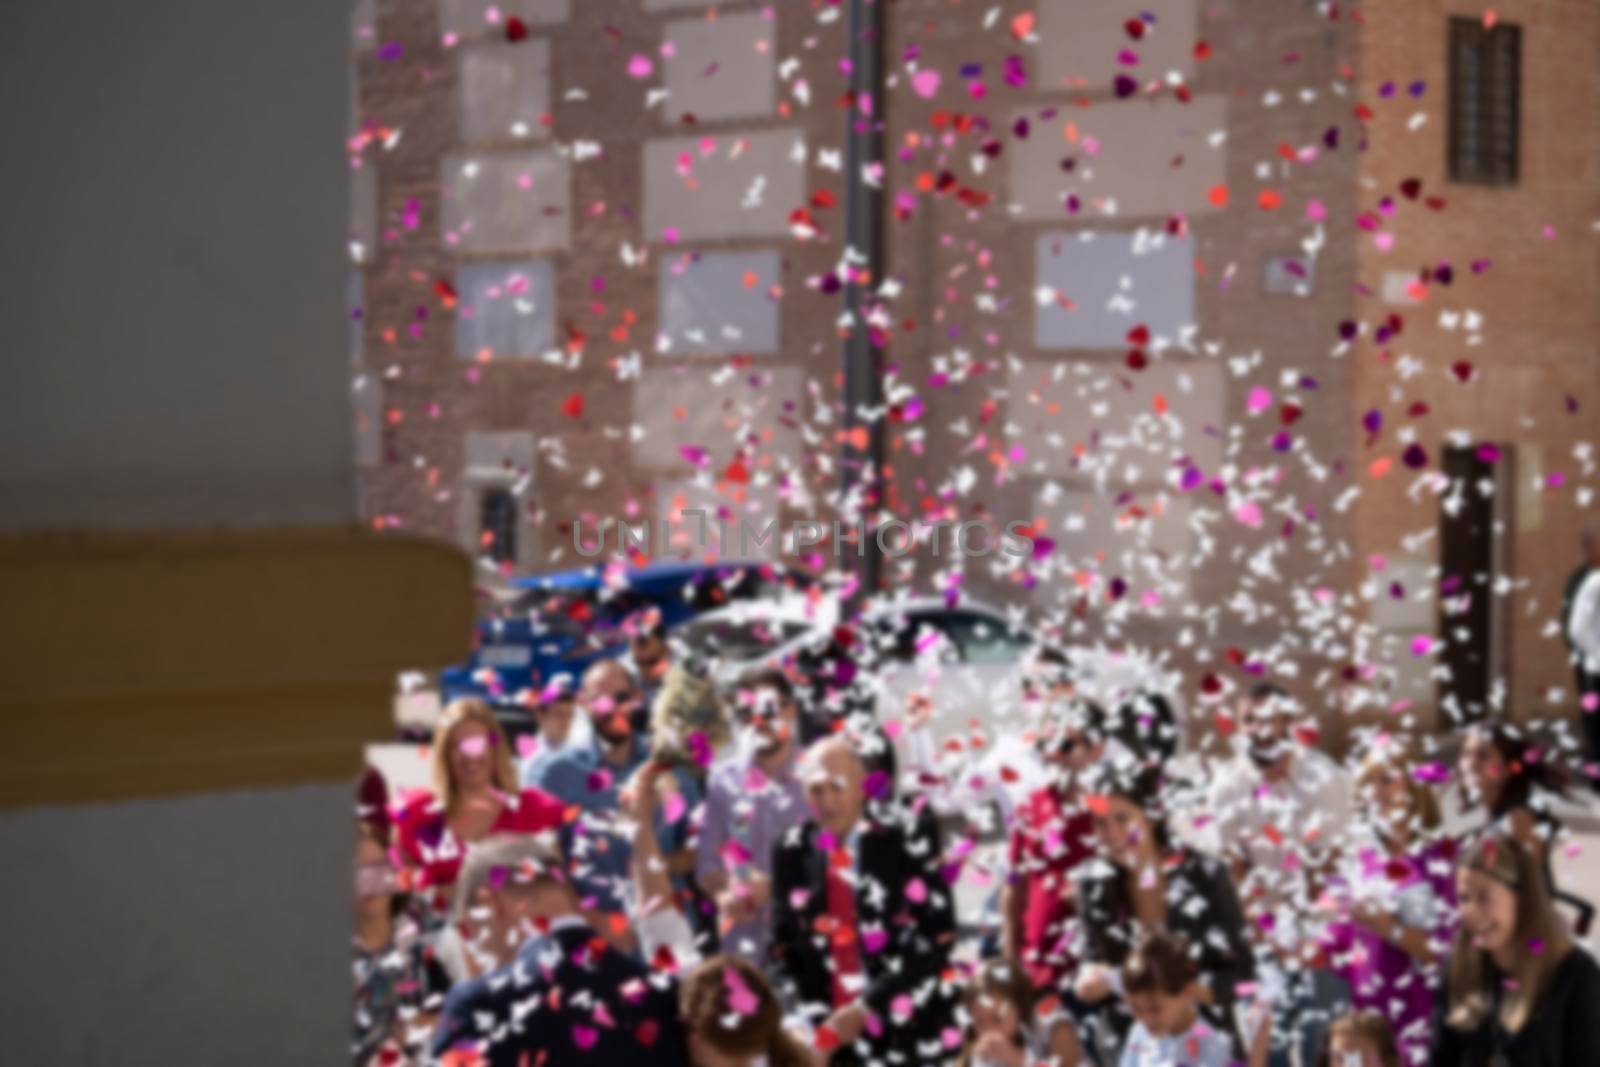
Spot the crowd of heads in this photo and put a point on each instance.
(1463, 900)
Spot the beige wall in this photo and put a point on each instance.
(1535, 344)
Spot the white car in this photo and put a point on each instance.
(967, 658)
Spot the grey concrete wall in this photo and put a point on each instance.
(173, 263)
(205, 930)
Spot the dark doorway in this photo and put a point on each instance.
(1470, 554)
(497, 525)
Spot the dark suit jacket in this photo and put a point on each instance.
(512, 1011)
(1202, 908)
(906, 934)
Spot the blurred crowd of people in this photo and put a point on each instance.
(770, 876)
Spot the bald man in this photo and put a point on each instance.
(863, 918)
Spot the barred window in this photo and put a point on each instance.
(1485, 100)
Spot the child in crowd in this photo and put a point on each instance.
(1160, 982)
(1009, 1027)
(1361, 1039)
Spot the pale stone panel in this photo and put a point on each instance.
(1137, 428)
(1144, 539)
(505, 203)
(717, 412)
(363, 214)
(363, 25)
(722, 186)
(1415, 611)
(469, 17)
(734, 524)
(1093, 287)
(366, 396)
(505, 309)
(505, 91)
(1122, 159)
(497, 458)
(722, 69)
(1081, 41)
(718, 303)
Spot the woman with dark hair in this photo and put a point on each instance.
(733, 1019)
(1145, 882)
(1518, 990)
(1510, 779)
(1145, 725)
(1502, 773)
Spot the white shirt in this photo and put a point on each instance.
(1583, 625)
(1282, 829)
(971, 785)
(1200, 1047)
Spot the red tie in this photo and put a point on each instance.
(846, 945)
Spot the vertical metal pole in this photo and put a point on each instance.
(861, 460)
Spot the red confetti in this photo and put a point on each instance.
(516, 30)
(572, 406)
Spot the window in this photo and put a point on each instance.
(1485, 99)
(497, 525)
(982, 639)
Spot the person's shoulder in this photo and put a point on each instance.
(460, 1015)
(1233, 774)
(1203, 865)
(728, 777)
(1321, 773)
(558, 764)
(533, 808)
(417, 809)
(1580, 972)
(799, 837)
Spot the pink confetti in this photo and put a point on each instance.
(925, 83)
(640, 66)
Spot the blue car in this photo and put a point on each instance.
(560, 623)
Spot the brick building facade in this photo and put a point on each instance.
(1136, 280)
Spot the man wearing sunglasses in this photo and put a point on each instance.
(1054, 833)
(647, 660)
(754, 797)
(590, 778)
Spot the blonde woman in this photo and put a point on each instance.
(1518, 991)
(475, 794)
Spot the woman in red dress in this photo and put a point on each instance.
(475, 794)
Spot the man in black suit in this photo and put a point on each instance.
(863, 919)
(568, 999)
